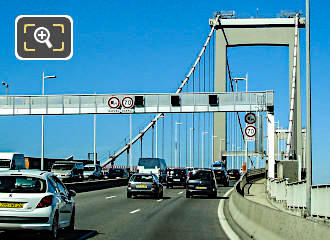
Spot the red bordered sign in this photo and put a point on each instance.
(250, 131)
(114, 102)
(127, 102)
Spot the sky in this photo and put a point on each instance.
(149, 46)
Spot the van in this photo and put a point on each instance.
(11, 160)
(93, 171)
(68, 170)
(156, 166)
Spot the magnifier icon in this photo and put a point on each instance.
(42, 35)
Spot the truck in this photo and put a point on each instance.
(11, 160)
(156, 166)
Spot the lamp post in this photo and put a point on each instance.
(203, 133)
(161, 116)
(242, 79)
(213, 147)
(6, 86)
(220, 151)
(176, 142)
(43, 122)
(191, 154)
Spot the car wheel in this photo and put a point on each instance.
(167, 186)
(188, 194)
(161, 195)
(129, 195)
(53, 233)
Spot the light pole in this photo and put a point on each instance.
(94, 155)
(203, 133)
(213, 147)
(191, 154)
(220, 151)
(130, 146)
(161, 116)
(176, 142)
(43, 122)
(242, 79)
(6, 86)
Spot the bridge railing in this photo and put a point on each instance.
(294, 195)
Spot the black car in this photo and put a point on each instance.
(144, 184)
(176, 177)
(234, 174)
(115, 173)
(221, 176)
(201, 182)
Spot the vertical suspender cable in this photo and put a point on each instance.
(199, 115)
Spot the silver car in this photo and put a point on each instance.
(144, 184)
(35, 200)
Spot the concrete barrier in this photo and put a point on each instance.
(95, 185)
(262, 222)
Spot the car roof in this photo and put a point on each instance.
(26, 172)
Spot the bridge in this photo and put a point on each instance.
(207, 109)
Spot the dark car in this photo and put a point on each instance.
(144, 184)
(221, 176)
(234, 174)
(176, 177)
(201, 182)
(115, 173)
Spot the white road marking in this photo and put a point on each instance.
(111, 197)
(223, 221)
(137, 210)
(180, 192)
(159, 200)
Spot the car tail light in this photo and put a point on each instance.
(45, 202)
(154, 185)
(129, 184)
(137, 170)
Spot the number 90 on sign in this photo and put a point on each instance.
(250, 131)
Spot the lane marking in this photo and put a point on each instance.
(111, 197)
(223, 221)
(180, 192)
(159, 200)
(135, 211)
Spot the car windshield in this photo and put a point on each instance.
(201, 175)
(62, 167)
(22, 184)
(4, 163)
(89, 168)
(217, 165)
(149, 163)
(142, 178)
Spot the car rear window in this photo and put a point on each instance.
(22, 184)
(142, 178)
(177, 171)
(201, 175)
(115, 170)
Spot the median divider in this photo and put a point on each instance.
(87, 186)
(262, 222)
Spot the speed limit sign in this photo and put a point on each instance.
(127, 102)
(250, 131)
(114, 102)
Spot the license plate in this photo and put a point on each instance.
(11, 205)
(176, 180)
(141, 186)
(201, 187)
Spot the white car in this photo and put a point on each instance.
(35, 200)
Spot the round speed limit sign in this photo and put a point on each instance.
(114, 102)
(250, 131)
(127, 102)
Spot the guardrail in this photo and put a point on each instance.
(249, 177)
(96, 184)
(294, 195)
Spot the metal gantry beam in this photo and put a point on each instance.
(151, 103)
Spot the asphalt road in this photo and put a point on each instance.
(108, 214)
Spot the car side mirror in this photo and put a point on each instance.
(72, 193)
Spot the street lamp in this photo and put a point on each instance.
(6, 86)
(43, 122)
(213, 147)
(203, 133)
(176, 142)
(242, 79)
(191, 153)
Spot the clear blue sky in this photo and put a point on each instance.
(148, 46)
